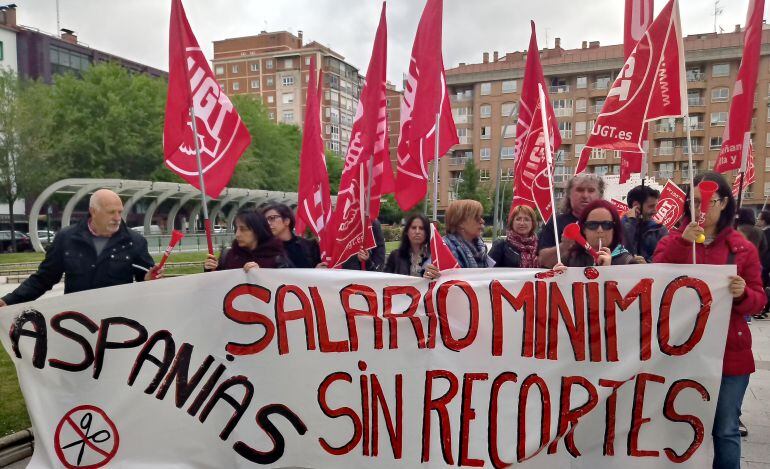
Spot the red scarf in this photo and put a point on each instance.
(527, 247)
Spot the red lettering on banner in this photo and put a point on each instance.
(467, 414)
(494, 453)
(568, 417)
(249, 317)
(637, 415)
(282, 316)
(693, 421)
(545, 416)
(594, 327)
(575, 324)
(395, 430)
(439, 405)
(610, 412)
(541, 319)
(336, 413)
(525, 300)
(387, 312)
(325, 345)
(371, 311)
(473, 309)
(664, 327)
(642, 291)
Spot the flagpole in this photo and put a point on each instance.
(498, 198)
(435, 169)
(202, 182)
(364, 208)
(764, 204)
(740, 189)
(692, 180)
(548, 159)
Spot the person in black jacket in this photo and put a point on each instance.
(519, 247)
(413, 254)
(97, 252)
(304, 253)
(373, 259)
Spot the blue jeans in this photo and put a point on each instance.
(727, 439)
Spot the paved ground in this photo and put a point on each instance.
(756, 404)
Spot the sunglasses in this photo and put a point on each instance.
(594, 225)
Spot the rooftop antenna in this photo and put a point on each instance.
(718, 10)
(546, 38)
(58, 18)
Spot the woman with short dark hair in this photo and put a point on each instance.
(254, 246)
(519, 247)
(723, 245)
(413, 253)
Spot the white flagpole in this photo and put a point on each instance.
(435, 169)
(202, 182)
(548, 159)
(692, 179)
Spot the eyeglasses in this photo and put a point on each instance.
(594, 225)
(712, 202)
(273, 218)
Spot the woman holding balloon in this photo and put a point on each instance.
(599, 238)
(716, 242)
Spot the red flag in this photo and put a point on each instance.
(314, 205)
(368, 143)
(670, 206)
(222, 136)
(425, 97)
(737, 135)
(749, 177)
(638, 17)
(531, 186)
(651, 85)
(440, 254)
(621, 207)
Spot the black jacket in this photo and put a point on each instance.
(504, 254)
(304, 253)
(73, 253)
(398, 264)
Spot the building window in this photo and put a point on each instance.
(580, 128)
(236, 86)
(486, 132)
(269, 63)
(720, 95)
(486, 152)
(270, 81)
(767, 140)
(506, 153)
(271, 115)
(485, 110)
(288, 63)
(63, 61)
(254, 66)
(718, 118)
(582, 82)
(287, 81)
(255, 84)
(220, 70)
(288, 98)
(508, 131)
(270, 99)
(484, 175)
(234, 69)
(307, 60)
(720, 70)
(462, 132)
(715, 143)
(580, 105)
(507, 109)
(486, 88)
(288, 117)
(509, 86)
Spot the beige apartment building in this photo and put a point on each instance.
(485, 95)
(274, 66)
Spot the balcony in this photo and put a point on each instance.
(695, 126)
(560, 178)
(665, 174)
(561, 156)
(695, 76)
(465, 140)
(664, 151)
(696, 101)
(595, 109)
(562, 112)
(464, 119)
(665, 128)
(558, 89)
(566, 134)
(600, 85)
(461, 98)
(458, 160)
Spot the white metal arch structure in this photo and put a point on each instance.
(136, 190)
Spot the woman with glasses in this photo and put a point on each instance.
(519, 247)
(464, 227)
(723, 245)
(601, 227)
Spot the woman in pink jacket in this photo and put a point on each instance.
(724, 245)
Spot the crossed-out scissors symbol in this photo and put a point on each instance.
(86, 439)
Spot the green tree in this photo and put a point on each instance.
(470, 186)
(25, 157)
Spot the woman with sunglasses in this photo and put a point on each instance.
(723, 245)
(600, 225)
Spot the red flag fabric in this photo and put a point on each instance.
(531, 186)
(440, 254)
(314, 205)
(749, 178)
(638, 17)
(368, 143)
(737, 134)
(221, 135)
(670, 206)
(425, 97)
(651, 85)
(621, 207)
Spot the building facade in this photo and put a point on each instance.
(485, 96)
(8, 32)
(275, 66)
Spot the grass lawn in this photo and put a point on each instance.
(13, 412)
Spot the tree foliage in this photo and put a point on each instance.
(470, 186)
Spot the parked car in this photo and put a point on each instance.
(45, 236)
(220, 229)
(23, 242)
(154, 230)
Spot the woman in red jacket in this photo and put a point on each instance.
(724, 245)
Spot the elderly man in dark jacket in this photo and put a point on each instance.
(97, 252)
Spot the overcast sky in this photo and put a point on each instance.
(138, 29)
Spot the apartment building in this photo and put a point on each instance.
(485, 96)
(275, 67)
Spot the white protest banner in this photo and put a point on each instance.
(594, 368)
